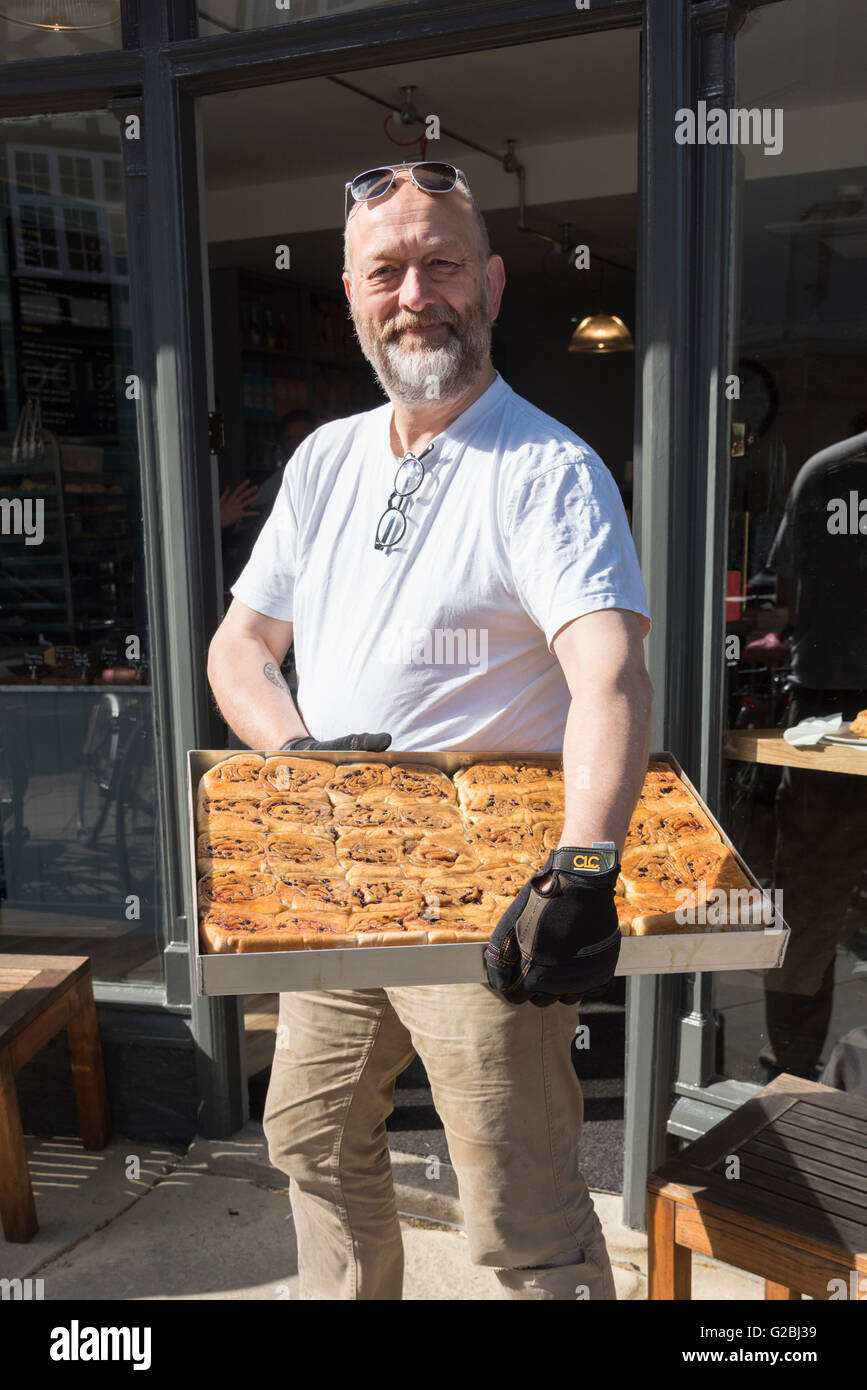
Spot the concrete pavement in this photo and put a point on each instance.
(139, 1221)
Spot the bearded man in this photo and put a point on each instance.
(460, 507)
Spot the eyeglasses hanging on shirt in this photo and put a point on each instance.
(407, 480)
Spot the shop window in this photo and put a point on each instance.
(32, 29)
(80, 870)
(228, 16)
(795, 585)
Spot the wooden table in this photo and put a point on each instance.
(39, 995)
(778, 1188)
(769, 746)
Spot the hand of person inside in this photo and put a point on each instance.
(235, 503)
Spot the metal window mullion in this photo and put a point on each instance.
(661, 509)
(188, 560)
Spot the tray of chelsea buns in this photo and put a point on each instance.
(340, 870)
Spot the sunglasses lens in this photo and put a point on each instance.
(371, 184)
(392, 525)
(435, 178)
(408, 476)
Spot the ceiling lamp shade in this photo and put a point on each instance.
(61, 14)
(599, 333)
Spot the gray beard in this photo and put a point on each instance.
(413, 375)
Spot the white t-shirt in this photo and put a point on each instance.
(443, 640)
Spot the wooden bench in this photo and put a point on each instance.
(39, 995)
(778, 1188)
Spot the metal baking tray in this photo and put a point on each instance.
(269, 972)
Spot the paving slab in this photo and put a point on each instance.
(78, 1190)
(215, 1223)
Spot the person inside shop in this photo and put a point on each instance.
(295, 427)
(821, 569)
(457, 505)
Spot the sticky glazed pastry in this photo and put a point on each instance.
(438, 851)
(322, 930)
(290, 850)
(526, 775)
(429, 818)
(626, 914)
(240, 885)
(548, 802)
(445, 890)
(230, 813)
(349, 780)
(663, 789)
(235, 777)
(284, 775)
(504, 882)
(305, 809)
(503, 803)
(653, 872)
(388, 926)
(858, 727)
(410, 783)
(316, 892)
(215, 848)
(376, 888)
(379, 847)
(713, 865)
(451, 926)
(225, 929)
(501, 844)
(356, 817)
(550, 829)
(687, 825)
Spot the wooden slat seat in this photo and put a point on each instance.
(39, 995)
(778, 1188)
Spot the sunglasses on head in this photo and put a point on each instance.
(428, 175)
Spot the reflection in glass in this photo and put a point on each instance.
(79, 859)
(229, 16)
(53, 28)
(796, 580)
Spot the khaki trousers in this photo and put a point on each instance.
(505, 1088)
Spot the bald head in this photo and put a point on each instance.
(460, 195)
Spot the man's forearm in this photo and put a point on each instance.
(253, 697)
(605, 752)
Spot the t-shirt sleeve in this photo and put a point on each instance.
(570, 546)
(267, 581)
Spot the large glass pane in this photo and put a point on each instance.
(79, 865)
(228, 16)
(797, 566)
(55, 28)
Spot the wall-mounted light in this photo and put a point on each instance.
(61, 15)
(599, 333)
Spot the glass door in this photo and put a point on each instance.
(796, 572)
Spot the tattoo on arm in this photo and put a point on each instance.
(272, 673)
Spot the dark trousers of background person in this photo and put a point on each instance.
(820, 855)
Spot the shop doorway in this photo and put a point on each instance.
(284, 358)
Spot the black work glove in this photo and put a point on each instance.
(561, 944)
(368, 743)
